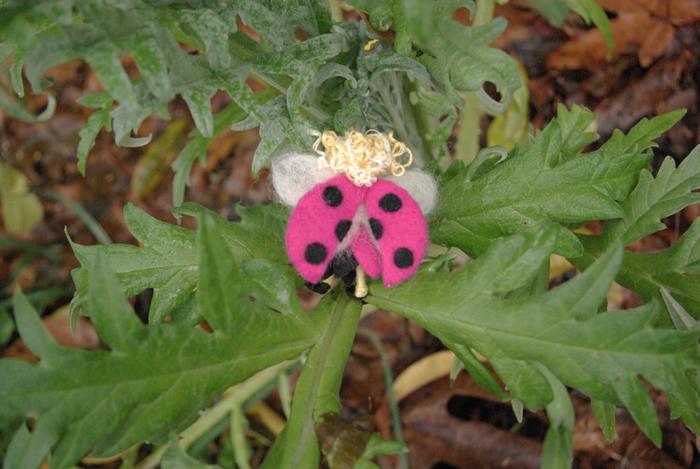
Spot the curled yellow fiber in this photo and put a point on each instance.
(363, 157)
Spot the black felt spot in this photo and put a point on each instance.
(377, 228)
(315, 253)
(403, 258)
(332, 196)
(390, 203)
(342, 228)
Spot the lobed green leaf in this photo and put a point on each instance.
(600, 354)
(549, 180)
(168, 258)
(154, 378)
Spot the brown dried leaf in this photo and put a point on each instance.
(436, 435)
(58, 325)
(644, 26)
(656, 41)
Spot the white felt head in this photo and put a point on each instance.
(294, 174)
(420, 185)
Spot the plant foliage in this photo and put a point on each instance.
(224, 301)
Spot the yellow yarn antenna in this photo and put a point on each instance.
(362, 157)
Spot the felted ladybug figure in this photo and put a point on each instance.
(357, 210)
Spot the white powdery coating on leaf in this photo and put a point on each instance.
(294, 174)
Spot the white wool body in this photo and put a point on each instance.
(420, 185)
(294, 174)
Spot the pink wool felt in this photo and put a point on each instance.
(314, 221)
(382, 225)
(404, 229)
(366, 253)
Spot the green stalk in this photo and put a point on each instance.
(390, 396)
(484, 12)
(318, 386)
(467, 145)
(233, 398)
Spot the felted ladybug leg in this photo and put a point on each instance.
(361, 289)
(320, 287)
(324, 286)
(349, 280)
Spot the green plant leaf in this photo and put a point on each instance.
(674, 269)
(557, 452)
(657, 197)
(679, 316)
(554, 10)
(97, 121)
(592, 12)
(154, 378)
(7, 326)
(457, 56)
(642, 136)
(548, 180)
(168, 259)
(328, 79)
(601, 355)
(241, 448)
(605, 415)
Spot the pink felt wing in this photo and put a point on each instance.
(399, 228)
(365, 251)
(320, 221)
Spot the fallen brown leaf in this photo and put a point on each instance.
(647, 27)
(58, 325)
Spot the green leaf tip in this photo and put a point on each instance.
(32, 329)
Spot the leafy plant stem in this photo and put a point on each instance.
(336, 10)
(390, 396)
(416, 122)
(234, 397)
(468, 134)
(484, 12)
(318, 386)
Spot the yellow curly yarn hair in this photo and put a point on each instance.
(362, 157)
